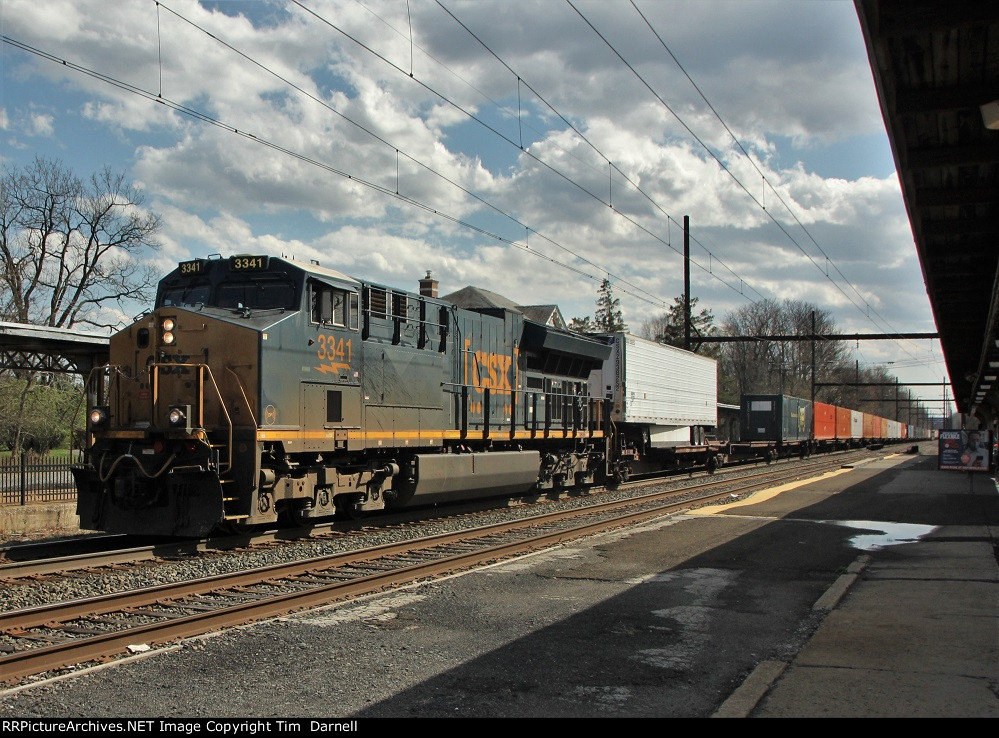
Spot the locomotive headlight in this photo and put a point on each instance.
(179, 416)
(99, 416)
(168, 336)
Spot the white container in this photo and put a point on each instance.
(856, 424)
(661, 386)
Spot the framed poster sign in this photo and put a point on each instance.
(965, 450)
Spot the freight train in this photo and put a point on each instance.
(261, 389)
(772, 426)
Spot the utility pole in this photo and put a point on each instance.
(813, 358)
(686, 282)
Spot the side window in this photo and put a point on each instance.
(319, 299)
(329, 305)
(339, 307)
(354, 311)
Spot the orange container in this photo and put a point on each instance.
(823, 421)
(869, 431)
(842, 423)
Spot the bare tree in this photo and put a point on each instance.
(781, 367)
(751, 364)
(72, 249)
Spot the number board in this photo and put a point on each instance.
(248, 263)
(190, 268)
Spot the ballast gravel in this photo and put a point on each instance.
(19, 594)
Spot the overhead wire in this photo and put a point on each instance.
(210, 120)
(479, 120)
(752, 161)
(588, 142)
(728, 170)
(596, 149)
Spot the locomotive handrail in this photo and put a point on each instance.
(202, 368)
(573, 418)
(249, 408)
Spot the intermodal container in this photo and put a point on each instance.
(856, 424)
(775, 418)
(843, 423)
(824, 421)
(658, 385)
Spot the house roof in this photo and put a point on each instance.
(476, 298)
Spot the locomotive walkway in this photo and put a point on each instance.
(868, 593)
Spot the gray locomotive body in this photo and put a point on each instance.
(261, 388)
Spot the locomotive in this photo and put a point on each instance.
(261, 390)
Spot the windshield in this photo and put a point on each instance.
(258, 294)
(187, 295)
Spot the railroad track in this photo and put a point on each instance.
(40, 640)
(42, 560)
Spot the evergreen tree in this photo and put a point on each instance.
(583, 325)
(668, 327)
(608, 317)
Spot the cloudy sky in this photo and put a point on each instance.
(531, 147)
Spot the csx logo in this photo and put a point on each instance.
(166, 359)
(485, 369)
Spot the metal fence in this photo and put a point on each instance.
(32, 478)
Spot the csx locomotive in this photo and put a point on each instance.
(260, 387)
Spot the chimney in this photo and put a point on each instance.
(428, 286)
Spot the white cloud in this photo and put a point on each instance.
(41, 125)
(789, 79)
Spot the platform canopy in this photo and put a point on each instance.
(936, 69)
(48, 349)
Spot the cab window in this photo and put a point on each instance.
(332, 306)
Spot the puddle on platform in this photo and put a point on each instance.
(887, 534)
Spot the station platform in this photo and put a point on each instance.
(910, 629)
(38, 519)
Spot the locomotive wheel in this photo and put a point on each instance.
(347, 510)
(297, 518)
